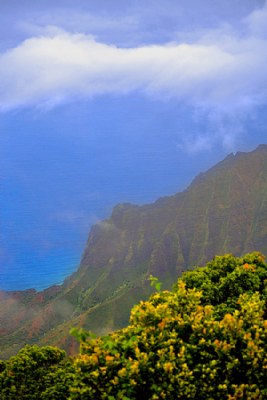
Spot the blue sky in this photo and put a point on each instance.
(105, 102)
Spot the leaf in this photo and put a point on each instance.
(154, 282)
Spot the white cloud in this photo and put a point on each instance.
(256, 22)
(222, 72)
(194, 144)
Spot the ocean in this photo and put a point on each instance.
(64, 170)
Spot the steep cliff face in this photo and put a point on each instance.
(223, 211)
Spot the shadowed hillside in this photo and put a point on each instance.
(223, 211)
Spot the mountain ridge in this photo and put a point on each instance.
(223, 210)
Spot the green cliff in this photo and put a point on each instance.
(223, 211)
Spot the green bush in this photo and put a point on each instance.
(206, 339)
(36, 373)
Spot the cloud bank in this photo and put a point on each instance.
(218, 71)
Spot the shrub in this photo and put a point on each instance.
(36, 373)
(207, 339)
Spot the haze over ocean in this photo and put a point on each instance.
(101, 105)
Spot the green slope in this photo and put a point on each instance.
(223, 211)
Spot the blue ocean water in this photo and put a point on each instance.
(63, 170)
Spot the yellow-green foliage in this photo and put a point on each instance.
(179, 346)
(207, 339)
(36, 373)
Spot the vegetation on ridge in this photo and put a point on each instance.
(224, 210)
(206, 339)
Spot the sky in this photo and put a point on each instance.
(106, 102)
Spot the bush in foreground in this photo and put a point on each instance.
(207, 339)
(36, 373)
